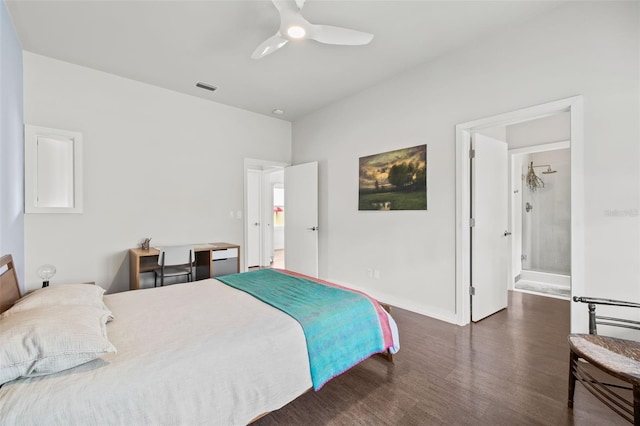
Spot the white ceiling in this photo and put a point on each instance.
(174, 44)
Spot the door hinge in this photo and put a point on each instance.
(472, 153)
(472, 290)
(472, 222)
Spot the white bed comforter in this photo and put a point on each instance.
(188, 354)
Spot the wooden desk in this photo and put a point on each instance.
(141, 261)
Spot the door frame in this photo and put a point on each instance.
(263, 166)
(574, 105)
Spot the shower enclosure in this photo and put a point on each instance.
(546, 222)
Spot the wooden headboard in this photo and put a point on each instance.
(9, 288)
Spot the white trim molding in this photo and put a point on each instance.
(53, 170)
(574, 106)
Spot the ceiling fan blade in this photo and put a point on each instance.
(270, 45)
(286, 6)
(336, 35)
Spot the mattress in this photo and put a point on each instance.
(189, 354)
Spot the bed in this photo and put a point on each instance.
(197, 353)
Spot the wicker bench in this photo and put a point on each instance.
(619, 358)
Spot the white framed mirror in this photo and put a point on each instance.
(53, 170)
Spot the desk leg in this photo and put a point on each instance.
(134, 272)
(203, 265)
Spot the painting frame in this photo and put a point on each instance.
(393, 180)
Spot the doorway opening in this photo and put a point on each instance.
(541, 218)
(301, 201)
(277, 259)
(573, 108)
(264, 214)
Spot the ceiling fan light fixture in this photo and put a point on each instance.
(293, 26)
(296, 31)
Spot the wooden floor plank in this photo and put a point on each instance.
(509, 369)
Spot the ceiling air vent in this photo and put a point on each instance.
(206, 86)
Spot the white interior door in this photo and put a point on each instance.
(489, 235)
(254, 192)
(301, 218)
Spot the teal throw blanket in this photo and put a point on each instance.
(341, 327)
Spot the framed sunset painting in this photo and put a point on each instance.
(394, 180)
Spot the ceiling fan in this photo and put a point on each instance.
(293, 26)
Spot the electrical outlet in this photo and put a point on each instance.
(369, 272)
(376, 274)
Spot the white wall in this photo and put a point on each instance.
(554, 128)
(11, 147)
(156, 164)
(497, 132)
(587, 48)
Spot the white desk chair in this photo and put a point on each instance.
(174, 261)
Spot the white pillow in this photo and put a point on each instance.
(50, 339)
(61, 294)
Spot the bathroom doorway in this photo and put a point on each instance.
(518, 129)
(541, 219)
(539, 203)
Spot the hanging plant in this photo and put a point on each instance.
(533, 181)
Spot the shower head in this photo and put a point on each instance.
(549, 171)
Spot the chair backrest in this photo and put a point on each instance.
(595, 320)
(176, 255)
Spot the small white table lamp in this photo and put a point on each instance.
(46, 272)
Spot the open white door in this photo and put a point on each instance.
(253, 218)
(489, 234)
(301, 220)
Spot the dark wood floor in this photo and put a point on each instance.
(509, 369)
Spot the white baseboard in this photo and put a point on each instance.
(409, 305)
(555, 280)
